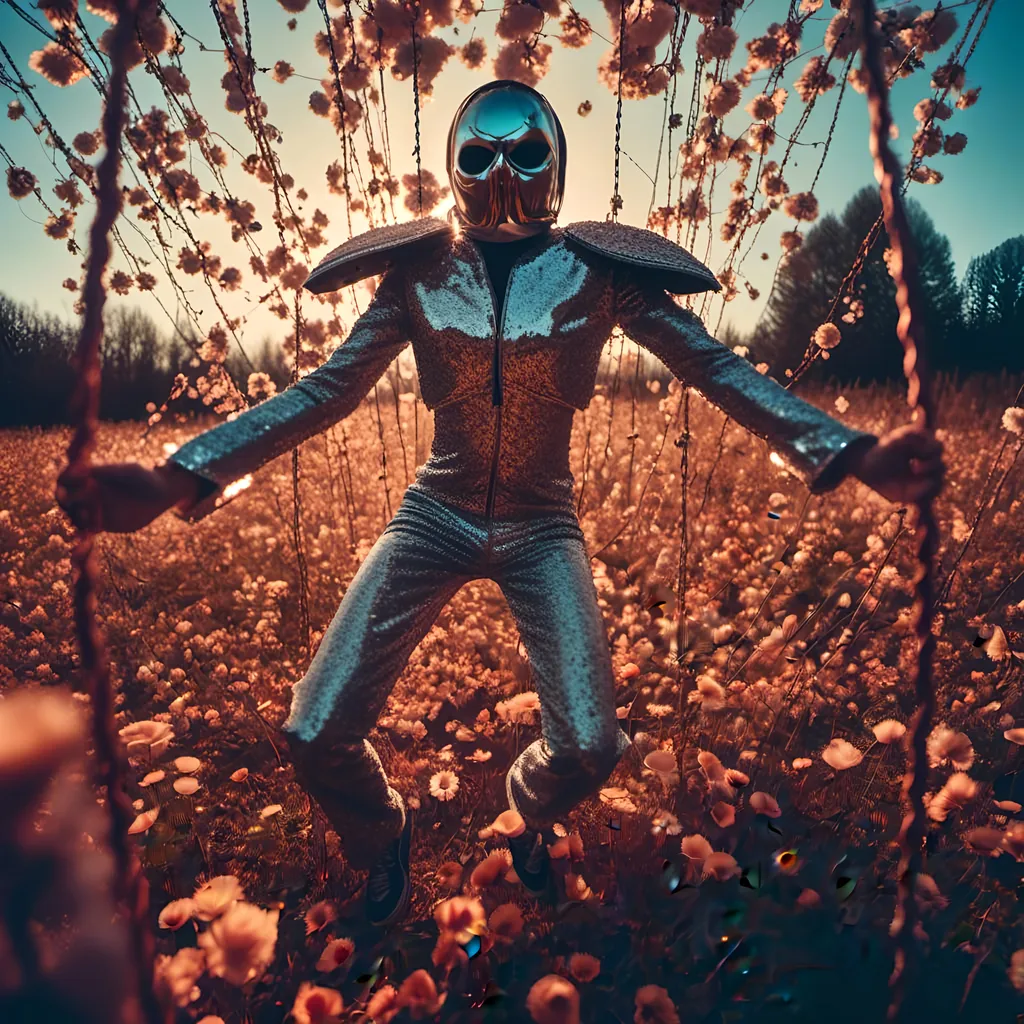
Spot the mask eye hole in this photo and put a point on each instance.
(529, 155)
(475, 159)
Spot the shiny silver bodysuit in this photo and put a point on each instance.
(494, 500)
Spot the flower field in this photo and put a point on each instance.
(740, 863)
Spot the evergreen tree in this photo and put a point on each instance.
(994, 307)
(812, 277)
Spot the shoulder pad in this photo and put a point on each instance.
(373, 252)
(669, 265)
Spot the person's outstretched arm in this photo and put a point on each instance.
(818, 448)
(231, 450)
(193, 479)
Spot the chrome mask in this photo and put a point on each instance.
(506, 161)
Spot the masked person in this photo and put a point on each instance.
(508, 316)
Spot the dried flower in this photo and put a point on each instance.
(1013, 420)
(827, 336)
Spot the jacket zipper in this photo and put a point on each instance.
(497, 390)
(497, 396)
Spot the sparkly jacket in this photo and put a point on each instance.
(503, 394)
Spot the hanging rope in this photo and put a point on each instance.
(616, 198)
(910, 329)
(339, 100)
(416, 105)
(130, 883)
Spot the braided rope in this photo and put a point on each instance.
(130, 883)
(910, 330)
(339, 101)
(616, 198)
(416, 106)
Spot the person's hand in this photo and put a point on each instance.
(905, 466)
(128, 496)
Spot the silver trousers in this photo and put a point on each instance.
(428, 551)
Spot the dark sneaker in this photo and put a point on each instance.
(532, 861)
(389, 884)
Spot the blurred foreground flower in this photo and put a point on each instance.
(336, 953)
(240, 944)
(653, 1006)
(315, 1005)
(419, 994)
(215, 896)
(46, 810)
(554, 1000)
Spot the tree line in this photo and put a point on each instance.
(138, 365)
(976, 326)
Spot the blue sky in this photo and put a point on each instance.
(977, 205)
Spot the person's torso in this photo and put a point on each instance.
(504, 388)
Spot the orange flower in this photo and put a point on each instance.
(240, 944)
(487, 872)
(584, 967)
(384, 1005)
(463, 915)
(653, 1006)
(176, 914)
(508, 823)
(449, 874)
(336, 953)
(320, 915)
(419, 993)
(554, 1000)
(506, 921)
(215, 896)
(448, 952)
(315, 1005)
